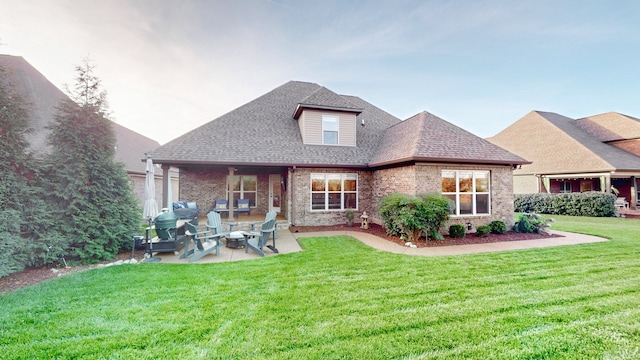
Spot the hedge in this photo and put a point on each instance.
(592, 203)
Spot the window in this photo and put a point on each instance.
(245, 187)
(329, 130)
(469, 191)
(334, 191)
(565, 186)
(586, 186)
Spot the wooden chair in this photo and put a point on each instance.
(259, 239)
(214, 224)
(204, 242)
(244, 206)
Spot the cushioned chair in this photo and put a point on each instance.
(222, 205)
(259, 239)
(204, 242)
(244, 206)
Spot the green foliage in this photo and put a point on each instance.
(532, 223)
(498, 227)
(348, 214)
(592, 203)
(411, 217)
(457, 231)
(483, 230)
(94, 206)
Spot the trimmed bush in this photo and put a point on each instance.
(532, 223)
(498, 227)
(483, 230)
(412, 217)
(457, 231)
(592, 203)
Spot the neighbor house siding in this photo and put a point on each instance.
(525, 184)
(310, 123)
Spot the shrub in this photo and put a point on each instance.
(498, 227)
(411, 217)
(576, 204)
(457, 231)
(532, 223)
(483, 230)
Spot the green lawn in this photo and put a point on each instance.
(339, 299)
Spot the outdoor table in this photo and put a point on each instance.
(236, 239)
(231, 225)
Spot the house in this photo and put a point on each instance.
(310, 154)
(42, 98)
(595, 153)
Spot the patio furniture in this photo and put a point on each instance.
(236, 239)
(214, 224)
(204, 242)
(270, 215)
(622, 203)
(244, 206)
(259, 238)
(170, 234)
(221, 205)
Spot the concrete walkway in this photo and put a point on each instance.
(287, 242)
(385, 245)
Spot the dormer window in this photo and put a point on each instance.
(330, 130)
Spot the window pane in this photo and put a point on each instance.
(334, 201)
(330, 123)
(453, 201)
(482, 181)
(482, 204)
(465, 178)
(335, 182)
(350, 201)
(466, 205)
(330, 137)
(317, 201)
(448, 181)
(249, 183)
(317, 183)
(236, 183)
(350, 185)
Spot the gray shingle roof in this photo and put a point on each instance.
(426, 137)
(264, 132)
(43, 98)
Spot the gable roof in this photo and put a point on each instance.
(265, 132)
(556, 144)
(611, 126)
(426, 137)
(42, 99)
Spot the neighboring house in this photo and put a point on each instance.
(310, 154)
(595, 153)
(42, 99)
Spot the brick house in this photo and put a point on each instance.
(595, 153)
(310, 154)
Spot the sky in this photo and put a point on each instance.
(169, 66)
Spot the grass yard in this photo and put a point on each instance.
(339, 299)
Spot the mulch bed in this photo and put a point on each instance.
(448, 241)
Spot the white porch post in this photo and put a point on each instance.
(230, 198)
(634, 193)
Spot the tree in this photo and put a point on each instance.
(95, 207)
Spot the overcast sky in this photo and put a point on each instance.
(171, 66)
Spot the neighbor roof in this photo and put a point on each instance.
(556, 144)
(42, 98)
(611, 126)
(265, 132)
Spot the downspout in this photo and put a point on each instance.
(292, 191)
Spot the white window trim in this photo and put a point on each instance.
(326, 176)
(473, 193)
(336, 131)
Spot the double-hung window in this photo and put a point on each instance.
(245, 187)
(468, 189)
(330, 130)
(565, 186)
(334, 191)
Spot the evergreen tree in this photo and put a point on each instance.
(22, 209)
(95, 206)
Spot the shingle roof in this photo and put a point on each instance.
(611, 126)
(43, 98)
(265, 132)
(426, 137)
(556, 144)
